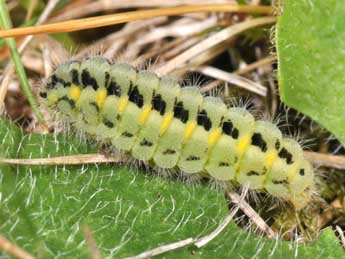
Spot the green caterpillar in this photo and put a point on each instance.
(154, 119)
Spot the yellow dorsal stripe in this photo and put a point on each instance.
(269, 159)
(101, 94)
(242, 145)
(122, 104)
(144, 114)
(165, 123)
(189, 130)
(74, 92)
(213, 137)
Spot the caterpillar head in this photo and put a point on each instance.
(292, 176)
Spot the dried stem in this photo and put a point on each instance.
(106, 20)
(14, 250)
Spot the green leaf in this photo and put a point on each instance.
(310, 43)
(43, 209)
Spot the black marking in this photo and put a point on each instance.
(95, 105)
(204, 120)
(158, 104)
(301, 172)
(54, 80)
(284, 154)
(43, 94)
(145, 142)
(283, 182)
(277, 144)
(258, 141)
(134, 96)
(65, 98)
(235, 133)
(169, 152)
(108, 123)
(193, 158)
(180, 113)
(75, 76)
(227, 127)
(88, 80)
(251, 173)
(223, 164)
(114, 89)
(106, 78)
(127, 134)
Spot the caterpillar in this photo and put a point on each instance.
(155, 119)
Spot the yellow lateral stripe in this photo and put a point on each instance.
(101, 94)
(52, 99)
(144, 114)
(189, 130)
(269, 159)
(165, 123)
(122, 104)
(75, 92)
(213, 137)
(242, 145)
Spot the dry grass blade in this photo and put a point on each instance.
(252, 214)
(234, 79)
(206, 239)
(65, 160)
(211, 41)
(94, 252)
(106, 20)
(14, 250)
(326, 160)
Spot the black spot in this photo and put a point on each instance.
(284, 182)
(229, 129)
(108, 123)
(70, 102)
(223, 164)
(95, 105)
(234, 133)
(169, 152)
(158, 104)
(88, 80)
(106, 78)
(114, 89)
(193, 158)
(204, 120)
(180, 113)
(127, 134)
(146, 143)
(75, 76)
(277, 144)
(251, 173)
(54, 80)
(258, 141)
(284, 154)
(301, 172)
(135, 97)
(43, 94)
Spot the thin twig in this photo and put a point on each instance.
(211, 41)
(326, 160)
(106, 20)
(341, 234)
(14, 250)
(206, 239)
(252, 214)
(256, 64)
(163, 249)
(65, 160)
(95, 254)
(233, 79)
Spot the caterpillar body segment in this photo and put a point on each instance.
(156, 120)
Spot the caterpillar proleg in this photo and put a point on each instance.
(156, 120)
